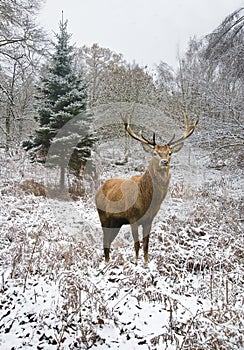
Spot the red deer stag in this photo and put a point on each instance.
(137, 200)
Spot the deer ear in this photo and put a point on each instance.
(177, 148)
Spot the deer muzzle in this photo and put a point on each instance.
(163, 163)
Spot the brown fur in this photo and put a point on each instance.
(137, 200)
(134, 201)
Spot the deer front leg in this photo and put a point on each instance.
(146, 234)
(106, 244)
(134, 229)
(109, 235)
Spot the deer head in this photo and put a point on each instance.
(161, 154)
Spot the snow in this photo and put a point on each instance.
(58, 293)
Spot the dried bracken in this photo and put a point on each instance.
(56, 291)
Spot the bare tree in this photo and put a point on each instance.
(224, 53)
(210, 74)
(128, 83)
(95, 61)
(21, 43)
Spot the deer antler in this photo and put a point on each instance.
(188, 131)
(135, 136)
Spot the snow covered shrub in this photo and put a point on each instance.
(33, 187)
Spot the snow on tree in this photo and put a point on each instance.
(224, 53)
(111, 79)
(63, 137)
(209, 80)
(21, 44)
(97, 61)
(128, 83)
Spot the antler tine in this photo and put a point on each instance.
(154, 139)
(153, 142)
(188, 131)
(125, 119)
(135, 136)
(171, 140)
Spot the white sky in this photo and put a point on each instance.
(147, 31)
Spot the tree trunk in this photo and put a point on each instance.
(7, 130)
(62, 178)
(10, 108)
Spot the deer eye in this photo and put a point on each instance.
(170, 152)
(155, 153)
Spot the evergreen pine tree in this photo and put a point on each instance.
(63, 137)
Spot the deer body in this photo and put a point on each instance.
(123, 190)
(137, 200)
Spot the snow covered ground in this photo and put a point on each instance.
(57, 293)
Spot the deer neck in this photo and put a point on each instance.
(160, 176)
(156, 181)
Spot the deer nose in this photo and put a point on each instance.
(163, 162)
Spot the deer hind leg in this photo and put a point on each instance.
(134, 229)
(146, 234)
(109, 235)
